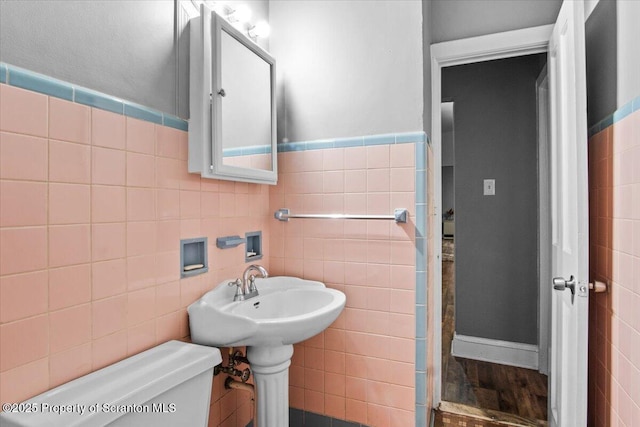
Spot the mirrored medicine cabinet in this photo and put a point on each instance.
(232, 125)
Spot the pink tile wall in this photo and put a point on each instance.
(92, 208)
(614, 318)
(362, 367)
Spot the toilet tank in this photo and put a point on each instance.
(168, 385)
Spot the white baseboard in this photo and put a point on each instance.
(495, 351)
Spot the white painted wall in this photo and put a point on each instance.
(426, 69)
(347, 68)
(122, 48)
(458, 19)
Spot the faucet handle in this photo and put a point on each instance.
(239, 296)
(236, 282)
(252, 290)
(252, 283)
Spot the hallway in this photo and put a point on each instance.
(500, 391)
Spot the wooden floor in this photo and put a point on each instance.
(475, 384)
(456, 414)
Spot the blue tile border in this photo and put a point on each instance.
(418, 138)
(29, 80)
(293, 146)
(175, 122)
(421, 254)
(606, 122)
(421, 388)
(246, 151)
(421, 287)
(622, 112)
(349, 142)
(98, 100)
(421, 180)
(421, 157)
(421, 227)
(421, 355)
(404, 138)
(319, 145)
(142, 113)
(421, 321)
(379, 139)
(421, 278)
(421, 415)
(37, 83)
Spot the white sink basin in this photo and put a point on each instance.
(287, 311)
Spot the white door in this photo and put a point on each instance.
(569, 211)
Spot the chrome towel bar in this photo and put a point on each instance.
(399, 215)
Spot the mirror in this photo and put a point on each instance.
(246, 106)
(232, 101)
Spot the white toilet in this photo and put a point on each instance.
(168, 385)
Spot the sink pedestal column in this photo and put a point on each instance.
(270, 367)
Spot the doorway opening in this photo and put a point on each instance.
(492, 212)
(568, 166)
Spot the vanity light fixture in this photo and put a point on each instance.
(241, 14)
(260, 30)
(238, 16)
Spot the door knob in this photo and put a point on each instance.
(560, 284)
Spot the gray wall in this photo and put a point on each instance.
(447, 148)
(122, 48)
(458, 19)
(347, 68)
(448, 200)
(602, 64)
(613, 57)
(496, 252)
(448, 134)
(628, 39)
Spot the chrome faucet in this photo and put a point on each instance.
(246, 288)
(250, 289)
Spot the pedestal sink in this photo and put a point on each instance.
(287, 311)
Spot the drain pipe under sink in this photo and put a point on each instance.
(230, 383)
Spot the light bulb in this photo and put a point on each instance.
(260, 30)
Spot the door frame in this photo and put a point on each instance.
(507, 44)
